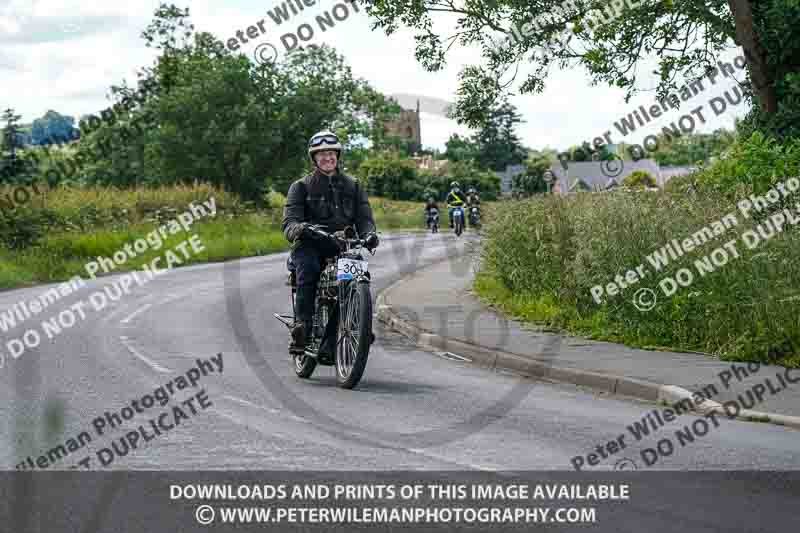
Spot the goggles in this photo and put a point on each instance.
(324, 139)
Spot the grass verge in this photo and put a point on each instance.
(52, 235)
(542, 257)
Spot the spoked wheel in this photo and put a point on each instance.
(355, 330)
(458, 226)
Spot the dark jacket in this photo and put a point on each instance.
(334, 202)
(454, 199)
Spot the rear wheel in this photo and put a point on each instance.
(354, 335)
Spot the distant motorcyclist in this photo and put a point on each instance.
(473, 200)
(430, 205)
(454, 199)
(328, 198)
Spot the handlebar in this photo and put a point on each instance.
(338, 237)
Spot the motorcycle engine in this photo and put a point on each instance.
(327, 282)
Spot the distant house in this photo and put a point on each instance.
(427, 162)
(605, 175)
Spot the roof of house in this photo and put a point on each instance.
(596, 175)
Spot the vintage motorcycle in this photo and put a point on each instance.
(474, 217)
(342, 328)
(458, 220)
(433, 220)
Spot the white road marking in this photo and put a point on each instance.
(432, 455)
(453, 356)
(251, 404)
(155, 366)
(130, 317)
(172, 298)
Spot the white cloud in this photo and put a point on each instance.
(65, 54)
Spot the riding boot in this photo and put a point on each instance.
(302, 330)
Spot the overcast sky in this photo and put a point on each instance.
(65, 54)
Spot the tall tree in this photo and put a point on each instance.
(11, 143)
(458, 148)
(609, 39)
(53, 128)
(497, 142)
(532, 180)
(214, 116)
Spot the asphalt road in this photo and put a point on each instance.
(412, 410)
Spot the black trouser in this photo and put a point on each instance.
(308, 258)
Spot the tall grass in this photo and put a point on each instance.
(54, 234)
(541, 257)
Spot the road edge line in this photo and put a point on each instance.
(528, 367)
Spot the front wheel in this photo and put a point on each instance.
(354, 335)
(458, 226)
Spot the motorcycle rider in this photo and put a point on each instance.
(328, 198)
(473, 200)
(430, 204)
(454, 200)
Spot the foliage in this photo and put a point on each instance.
(53, 127)
(691, 149)
(542, 257)
(777, 23)
(459, 148)
(685, 37)
(494, 146)
(498, 146)
(212, 116)
(390, 174)
(639, 179)
(468, 174)
(751, 166)
(51, 237)
(532, 180)
(11, 166)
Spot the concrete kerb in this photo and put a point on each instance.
(495, 359)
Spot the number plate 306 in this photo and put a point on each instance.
(348, 268)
